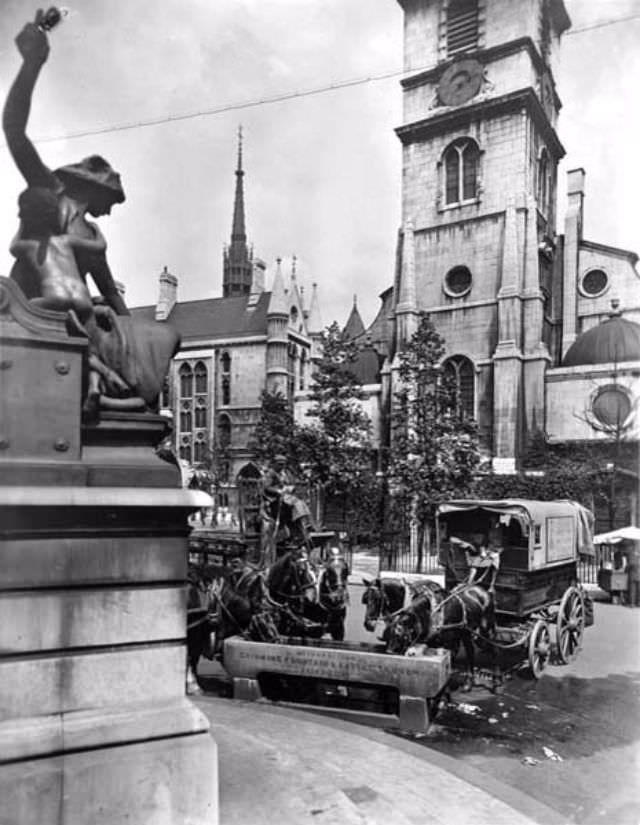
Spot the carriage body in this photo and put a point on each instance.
(536, 586)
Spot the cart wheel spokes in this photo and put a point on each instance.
(539, 647)
(570, 625)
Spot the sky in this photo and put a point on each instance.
(322, 170)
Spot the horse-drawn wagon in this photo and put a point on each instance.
(540, 606)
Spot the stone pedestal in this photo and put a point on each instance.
(95, 726)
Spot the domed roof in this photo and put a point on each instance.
(612, 341)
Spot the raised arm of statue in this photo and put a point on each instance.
(33, 45)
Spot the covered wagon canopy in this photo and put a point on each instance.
(616, 536)
(529, 512)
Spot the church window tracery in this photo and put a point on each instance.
(460, 370)
(461, 165)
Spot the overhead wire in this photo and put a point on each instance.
(279, 98)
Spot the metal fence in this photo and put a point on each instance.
(396, 555)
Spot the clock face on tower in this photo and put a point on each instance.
(460, 82)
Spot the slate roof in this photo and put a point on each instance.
(214, 318)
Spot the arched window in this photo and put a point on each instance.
(292, 357)
(225, 381)
(201, 414)
(185, 419)
(200, 451)
(200, 373)
(224, 431)
(462, 26)
(165, 400)
(461, 162)
(294, 316)
(303, 367)
(460, 370)
(186, 381)
(543, 181)
(185, 452)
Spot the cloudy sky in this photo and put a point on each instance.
(322, 170)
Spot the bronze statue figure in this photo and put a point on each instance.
(57, 246)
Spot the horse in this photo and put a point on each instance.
(201, 621)
(243, 608)
(384, 597)
(333, 596)
(441, 619)
(292, 583)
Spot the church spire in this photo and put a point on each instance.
(238, 259)
(238, 231)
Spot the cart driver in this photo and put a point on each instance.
(483, 559)
(279, 486)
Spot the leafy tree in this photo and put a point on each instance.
(581, 471)
(275, 430)
(434, 450)
(335, 449)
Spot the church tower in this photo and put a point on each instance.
(480, 156)
(237, 273)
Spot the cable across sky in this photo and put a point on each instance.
(278, 98)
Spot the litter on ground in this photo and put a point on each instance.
(550, 754)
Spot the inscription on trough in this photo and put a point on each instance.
(413, 676)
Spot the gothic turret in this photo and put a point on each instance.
(277, 336)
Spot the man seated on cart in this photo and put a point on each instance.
(483, 557)
(280, 502)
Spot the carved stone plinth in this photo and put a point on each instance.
(94, 722)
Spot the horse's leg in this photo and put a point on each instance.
(336, 625)
(470, 655)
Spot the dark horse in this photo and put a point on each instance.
(385, 597)
(333, 597)
(291, 583)
(201, 621)
(243, 608)
(440, 619)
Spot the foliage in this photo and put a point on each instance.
(582, 472)
(434, 448)
(275, 430)
(335, 449)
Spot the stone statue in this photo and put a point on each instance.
(56, 247)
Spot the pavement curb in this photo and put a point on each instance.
(513, 797)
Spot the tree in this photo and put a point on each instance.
(434, 450)
(275, 430)
(580, 471)
(335, 450)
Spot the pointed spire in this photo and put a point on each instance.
(314, 320)
(238, 231)
(354, 327)
(278, 301)
(238, 257)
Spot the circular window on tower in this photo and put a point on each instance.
(611, 407)
(594, 283)
(457, 281)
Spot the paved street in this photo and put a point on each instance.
(586, 715)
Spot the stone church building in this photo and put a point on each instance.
(541, 325)
(234, 347)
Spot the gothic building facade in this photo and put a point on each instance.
(234, 347)
(541, 325)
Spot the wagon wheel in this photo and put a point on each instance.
(570, 625)
(539, 647)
